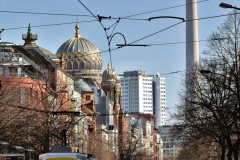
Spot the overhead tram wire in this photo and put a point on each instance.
(204, 18)
(48, 25)
(102, 24)
(109, 37)
(125, 17)
(161, 9)
(50, 14)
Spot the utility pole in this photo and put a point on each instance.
(1, 34)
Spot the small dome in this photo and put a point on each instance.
(109, 74)
(82, 86)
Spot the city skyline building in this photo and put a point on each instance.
(159, 100)
(144, 93)
(137, 92)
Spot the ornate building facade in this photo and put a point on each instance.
(84, 62)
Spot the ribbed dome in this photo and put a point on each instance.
(109, 74)
(77, 44)
(82, 86)
(83, 59)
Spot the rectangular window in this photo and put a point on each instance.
(87, 97)
(24, 96)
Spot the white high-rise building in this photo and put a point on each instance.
(137, 92)
(144, 93)
(159, 100)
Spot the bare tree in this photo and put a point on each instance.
(211, 119)
(26, 106)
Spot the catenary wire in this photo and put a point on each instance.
(48, 25)
(125, 17)
(163, 9)
(131, 42)
(102, 26)
(50, 14)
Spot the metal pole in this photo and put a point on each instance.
(0, 34)
(82, 147)
(64, 138)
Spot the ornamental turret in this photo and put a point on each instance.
(29, 38)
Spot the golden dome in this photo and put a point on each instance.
(81, 56)
(109, 75)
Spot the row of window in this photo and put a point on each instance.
(147, 87)
(147, 106)
(147, 83)
(147, 98)
(134, 107)
(147, 102)
(147, 110)
(146, 91)
(83, 65)
(134, 98)
(134, 103)
(147, 79)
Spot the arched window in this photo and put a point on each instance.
(97, 66)
(87, 65)
(93, 65)
(69, 65)
(69, 56)
(100, 66)
(81, 65)
(75, 65)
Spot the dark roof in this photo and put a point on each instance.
(23, 50)
(48, 53)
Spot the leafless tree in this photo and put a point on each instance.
(209, 114)
(26, 113)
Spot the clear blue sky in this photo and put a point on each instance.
(159, 58)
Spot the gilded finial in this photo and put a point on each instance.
(108, 66)
(29, 29)
(77, 35)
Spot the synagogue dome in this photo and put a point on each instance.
(82, 57)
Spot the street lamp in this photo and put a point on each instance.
(28, 153)
(17, 148)
(3, 143)
(225, 6)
